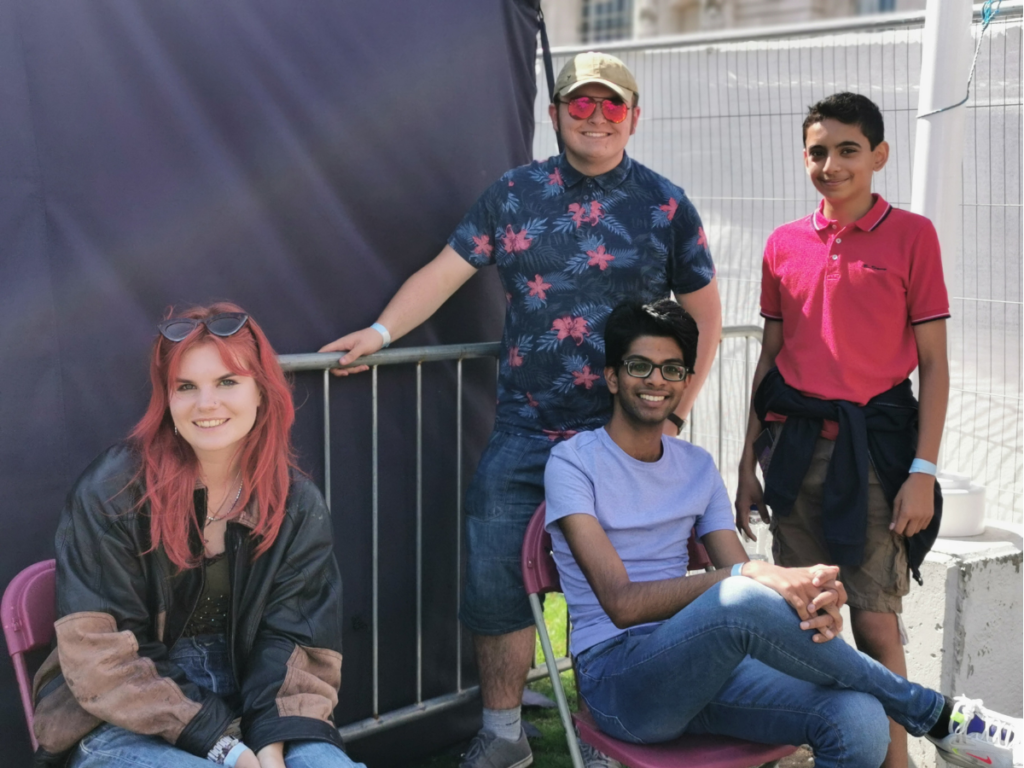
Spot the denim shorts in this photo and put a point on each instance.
(505, 492)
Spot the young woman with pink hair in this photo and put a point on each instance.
(198, 597)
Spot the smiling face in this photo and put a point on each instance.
(594, 145)
(212, 408)
(840, 162)
(647, 402)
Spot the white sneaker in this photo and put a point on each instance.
(594, 758)
(981, 737)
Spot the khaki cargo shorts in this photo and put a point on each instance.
(877, 584)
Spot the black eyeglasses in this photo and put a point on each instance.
(225, 324)
(641, 369)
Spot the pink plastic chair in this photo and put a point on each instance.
(541, 577)
(28, 611)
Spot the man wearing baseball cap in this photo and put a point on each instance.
(572, 236)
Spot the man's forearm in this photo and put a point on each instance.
(705, 306)
(424, 292)
(934, 399)
(641, 602)
(707, 347)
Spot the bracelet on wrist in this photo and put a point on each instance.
(384, 334)
(225, 746)
(924, 467)
(737, 570)
(231, 758)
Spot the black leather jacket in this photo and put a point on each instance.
(121, 606)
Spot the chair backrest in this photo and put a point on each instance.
(539, 573)
(29, 608)
(698, 556)
(28, 611)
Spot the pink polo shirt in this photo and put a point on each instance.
(848, 298)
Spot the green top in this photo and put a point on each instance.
(211, 614)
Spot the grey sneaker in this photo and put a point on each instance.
(486, 750)
(592, 758)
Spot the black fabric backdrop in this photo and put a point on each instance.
(300, 159)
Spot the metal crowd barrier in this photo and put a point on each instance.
(459, 352)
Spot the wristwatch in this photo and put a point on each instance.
(679, 421)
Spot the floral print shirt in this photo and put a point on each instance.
(569, 248)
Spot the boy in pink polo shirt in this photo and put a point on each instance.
(854, 300)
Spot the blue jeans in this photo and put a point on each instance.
(204, 659)
(736, 662)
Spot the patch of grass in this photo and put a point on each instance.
(550, 750)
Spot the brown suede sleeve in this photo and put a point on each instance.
(310, 688)
(111, 681)
(59, 722)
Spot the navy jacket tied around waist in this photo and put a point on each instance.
(883, 432)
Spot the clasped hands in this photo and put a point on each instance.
(815, 593)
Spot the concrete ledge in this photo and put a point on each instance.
(965, 624)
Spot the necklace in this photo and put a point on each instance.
(218, 517)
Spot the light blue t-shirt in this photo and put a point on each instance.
(646, 508)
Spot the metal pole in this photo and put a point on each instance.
(458, 520)
(374, 516)
(419, 532)
(721, 405)
(327, 437)
(937, 190)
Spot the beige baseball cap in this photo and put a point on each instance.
(594, 67)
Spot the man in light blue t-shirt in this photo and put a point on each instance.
(749, 650)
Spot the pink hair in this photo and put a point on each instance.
(169, 465)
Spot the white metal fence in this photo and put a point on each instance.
(721, 116)
(745, 338)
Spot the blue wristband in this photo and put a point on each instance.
(384, 334)
(231, 758)
(924, 467)
(736, 569)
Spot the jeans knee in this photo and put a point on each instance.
(855, 730)
(749, 596)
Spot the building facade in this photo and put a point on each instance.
(581, 22)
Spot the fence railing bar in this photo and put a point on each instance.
(419, 532)
(327, 437)
(986, 301)
(374, 725)
(374, 545)
(314, 361)
(721, 407)
(317, 361)
(458, 521)
(742, 331)
(746, 375)
(998, 396)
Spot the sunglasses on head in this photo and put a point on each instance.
(581, 107)
(225, 324)
(642, 369)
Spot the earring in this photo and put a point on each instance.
(175, 430)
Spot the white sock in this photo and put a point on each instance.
(506, 723)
